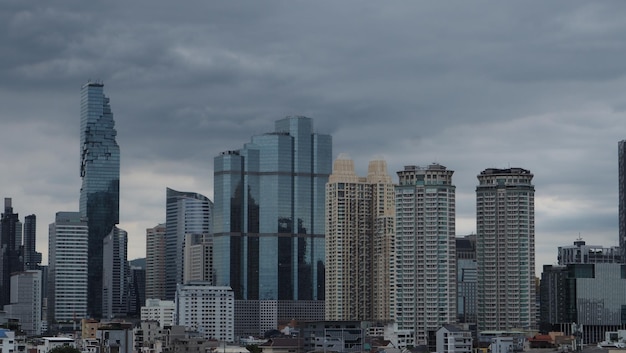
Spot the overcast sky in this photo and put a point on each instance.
(467, 84)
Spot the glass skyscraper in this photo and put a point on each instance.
(269, 214)
(186, 213)
(621, 164)
(100, 172)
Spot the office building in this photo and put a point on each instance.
(425, 251)
(581, 253)
(467, 277)
(206, 309)
(155, 262)
(100, 173)
(591, 294)
(67, 268)
(621, 156)
(115, 274)
(136, 290)
(31, 258)
(360, 216)
(269, 218)
(10, 240)
(505, 249)
(199, 258)
(158, 310)
(186, 213)
(26, 301)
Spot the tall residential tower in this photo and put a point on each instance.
(100, 173)
(505, 249)
(621, 159)
(359, 242)
(425, 251)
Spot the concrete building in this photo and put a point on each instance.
(67, 268)
(186, 213)
(505, 249)
(452, 339)
(467, 278)
(199, 258)
(425, 251)
(210, 310)
(360, 215)
(49, 343)
(26, 301)
(100, 189)
(155, 262)
(161, 311)
(269, 220)
(115, 273)
(341, 336)
(581, 253)
(621, 159)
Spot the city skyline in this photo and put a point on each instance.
(414, 83)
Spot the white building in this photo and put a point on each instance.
(505, 249)
(451, 339)
(425, 251)
(207, 309)
(50, 343)
(26, 301)
(158, 310)
(67, 268)
(7, 340)
(198, 258)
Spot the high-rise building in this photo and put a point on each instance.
(621, 157)
(199, 258)
(26, 301)
(159, 310)
(155, 262)
(466, 274)
(269, 220)
(505, 249)
(425, 251)
(581, 253)
(100, 173)
(136, 290)
(206, 309)
(10, 241)
(67, 268)
(31, 258)
(116, 273)
(186, 213)
(360, 214)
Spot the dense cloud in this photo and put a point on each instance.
(470, 85)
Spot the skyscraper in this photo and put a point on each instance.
(505, 249)
(31, 257)
(269, 218)
(155, 262)
(621, 157)
(116, 273)
(26, 301)
(359, 242)
(100, 172)
(10, 241)
(67, 268)
(186, 213)
(425, 251)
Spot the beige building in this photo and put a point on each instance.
(155, 262)
(198, 262)
(359, 242)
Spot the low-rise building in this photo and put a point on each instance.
(452, 339)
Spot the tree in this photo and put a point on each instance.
(64, 349)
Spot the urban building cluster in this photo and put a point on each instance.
(296, 252)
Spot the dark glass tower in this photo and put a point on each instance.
(100, 172)
(621, 156)
(269, 214)
(9, 255)
(31, 258)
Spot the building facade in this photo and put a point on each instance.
(100, 173)
(467, 277)
(206, 309)
(10, 240)
(199, 258)
(116, 273)
(161, 311)
(581, 253)
(621, 156)
(67, 268)
(425, 251)
(505, 249)
(269, 215)
(360, 218)
(155, 262)
(186, 213)
(31, 258)
(26, 301)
